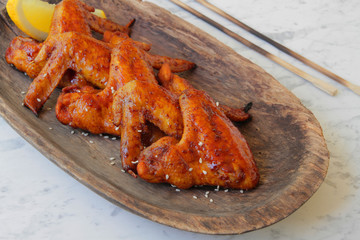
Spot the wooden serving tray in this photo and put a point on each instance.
(285, 137)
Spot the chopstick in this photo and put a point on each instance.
(331, 90)
(281, 47)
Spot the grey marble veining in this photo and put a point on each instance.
(40, 201)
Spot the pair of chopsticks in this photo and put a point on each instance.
(316, 81)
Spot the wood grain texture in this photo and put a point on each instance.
(285, 137)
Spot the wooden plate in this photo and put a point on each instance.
(284, 136)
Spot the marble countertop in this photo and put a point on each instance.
(40, 201)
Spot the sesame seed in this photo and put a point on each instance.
(190, 169)
(166, 177)
(49, 108)
(100, 134)
(204, 172)
(117, 128)
(195, 197)
(200, 160)
(241, 191)
(50, 128)
(23, 92)
(207, 194)
(25, 73)
(173, 185)
(217, 104)
(134, 162)
(226, 190)
(140, 130)
(114, 138)
(112, 90)
(112, 158)
(178, 190)
(72, 132)
(123, 170)
(201, 143)
(86, 109)
(217, 188)
(156, 156)
(91, 141)
(38, 99)
(22, 104)
(112, 163)
(106, 136)
(211, 200)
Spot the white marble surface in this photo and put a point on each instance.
(40, 201)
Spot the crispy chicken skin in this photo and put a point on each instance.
(211, 151)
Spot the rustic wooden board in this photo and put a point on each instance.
(285, 137)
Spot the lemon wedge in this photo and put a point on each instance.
(33, 17)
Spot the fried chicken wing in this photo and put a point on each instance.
(127, 64)
(86, 56)
(137, 103)
(22, 52)
(212, 151)
(69, 16)
(170, 132)
(87, 108)
(83, 54)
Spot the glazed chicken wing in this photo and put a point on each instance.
(211, 151)
(69, 16)
(83, 54)
(86, 56)
(170, 132)
(137, 103)
(91, 110)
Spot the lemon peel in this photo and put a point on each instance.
(33, 17)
